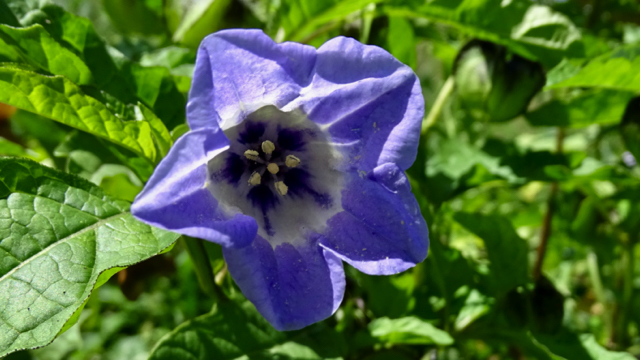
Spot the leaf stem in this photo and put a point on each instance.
(545, 232)
(438, 105)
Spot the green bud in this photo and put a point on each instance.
(494, 84)
(630, 127)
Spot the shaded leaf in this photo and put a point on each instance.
(59, 234)
(229, 331)
(507, 252)
(594, 107)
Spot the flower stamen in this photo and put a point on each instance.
(255, 178)
(273, 168)
(252, 155)
(291, 161)
(268, 147)
(281, 188)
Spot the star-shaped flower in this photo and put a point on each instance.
(294, 163)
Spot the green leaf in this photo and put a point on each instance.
(618, 69)
(401, 41)
(475, 306)
(301, 19)
(200, 20)
(59, 234)
(584, 346)
(533, 31)
(6, 15)
(506, 251)
(59, 99)
(603, 107)
(128, 81)
(229, 331)
(38, 48)
(408, 330)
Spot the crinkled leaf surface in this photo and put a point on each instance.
(38, 48)
(58, 234)
(229, 331)
(408, 330)
(505, 249)
(618, 69)
(61, 100)
(65, 44)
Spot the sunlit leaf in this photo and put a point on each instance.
(408, 330)
(59, 234)
(59, 99)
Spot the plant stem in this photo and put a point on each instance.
(438, 105)
(203, 268)
(545, 232)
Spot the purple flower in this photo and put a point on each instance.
(294, 163)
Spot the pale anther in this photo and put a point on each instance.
(273, 168)
(255, 178)
(252, 155)
(291, 161)
(268, 147)
(281, 188)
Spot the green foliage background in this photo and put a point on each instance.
(529, 183)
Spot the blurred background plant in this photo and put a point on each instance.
(526, 175)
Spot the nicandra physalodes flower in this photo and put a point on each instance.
(294, 163)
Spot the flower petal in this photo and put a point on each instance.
(247, 71)
(292, 287)
(371, 103)
(175, 197)
(381, 231)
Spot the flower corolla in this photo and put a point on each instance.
(295, 163)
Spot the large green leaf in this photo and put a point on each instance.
(595, 107)
(127, 81)
(618, 69)
(507, 252)
(533, 31)
(408, 330)
(229, 331)
(59, 99)
(36, 47)
(59, 233)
